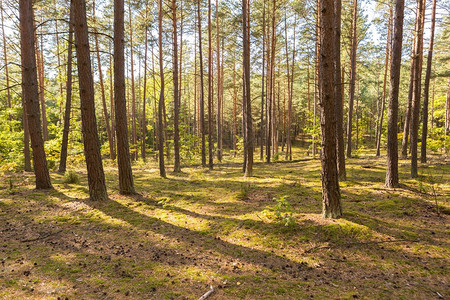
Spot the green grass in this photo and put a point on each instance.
(184, 233)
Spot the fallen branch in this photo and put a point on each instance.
(207, 294)
(359, 243)
(42, 237)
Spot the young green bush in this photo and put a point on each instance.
(71, 177)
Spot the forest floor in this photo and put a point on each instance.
(256, 238)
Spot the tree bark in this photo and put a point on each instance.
(134, 152)
(176, 98)
(263, 81)
(5, 59)
(102, 90)
(417, 88)
(201, 120)
(339, 109)
(246, 87)
(126, 185)
(210, 93)
(219, 80)
(68, 106)
(352, 78)
(162, 170)
(96, 176)
(330, 183)
(426, 92)
(41, 80)
(144, 94)
(392, 129)
(383, 97)
(31, 93)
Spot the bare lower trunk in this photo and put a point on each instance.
(392, 129)
(96, 176)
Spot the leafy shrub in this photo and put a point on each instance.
(71, 177)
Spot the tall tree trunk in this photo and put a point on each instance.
(339, 109)
(201, 119)
(392, 129)
(176, 98)
(96, 176)
(5, 59)
(210, 93)
(68, 106)
(26, 137)
(144, 94)
(417, 89)
(330, 183)
(111, 102)
(41, 79)
(126, 185)
(407, 125)
(271, 98)
(31, 93)
(162, 170)
(134, 152)
(234, 126)
(262, 81)
(219, 80)
(246, 87)
(383, 97)
(102, 90)
(426, 92)
(447, 110)
(58, 56)
(352, 78)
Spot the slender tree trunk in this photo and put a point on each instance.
(58, 56)
(210, 93)
(339, 109)
(447, 110)
(144, 95)
(219, 79)
(407, 125)
(68, 106)
(352, 78)
(111, 102)
(246, 87)
(392, 129)
(201, 120)
(234, 126)
(96, 176)
(176, 98)
(5, 59)
(126, 185)
(271, 99)
(383, 97)
(262, 81)
(330, 183)
(134, 152)
(162, 170)
(41, 79)
(102, 90)
(31, 93)
(357, 115)
(417, 89)
(426, 92)
(26, 138)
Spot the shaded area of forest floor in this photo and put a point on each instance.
(200, 228)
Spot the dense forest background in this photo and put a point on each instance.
(283, 38)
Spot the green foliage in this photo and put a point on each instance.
(284, 212)
(244, 192)
(71, 177)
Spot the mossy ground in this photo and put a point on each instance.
(200, 228)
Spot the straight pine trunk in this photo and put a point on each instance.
(126, 185)
(96, 176)
(392, 129)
